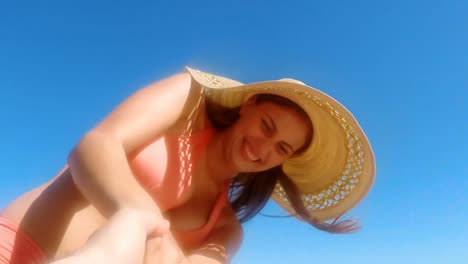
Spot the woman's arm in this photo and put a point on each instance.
(122, 240)
(99, 164)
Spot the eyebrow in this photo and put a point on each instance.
(273, 126)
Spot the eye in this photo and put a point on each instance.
(265, 126)
(283, 150)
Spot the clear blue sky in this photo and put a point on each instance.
(401, 66)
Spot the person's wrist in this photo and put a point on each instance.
(151, 222)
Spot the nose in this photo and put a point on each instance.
(264, 147)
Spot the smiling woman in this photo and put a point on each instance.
(269, 129)
(205, 153)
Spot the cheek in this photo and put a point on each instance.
(274, 161)
(248, 121)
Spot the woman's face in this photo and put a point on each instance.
(265, 135)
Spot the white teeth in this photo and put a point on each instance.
(249, 153)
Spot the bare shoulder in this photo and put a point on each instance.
(193, 117)
(151, 111)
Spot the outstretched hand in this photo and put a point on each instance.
(122, 240)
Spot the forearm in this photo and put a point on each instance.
(101, 172)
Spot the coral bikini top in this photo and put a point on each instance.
(165, 168)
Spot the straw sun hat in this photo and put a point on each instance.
(338, 168)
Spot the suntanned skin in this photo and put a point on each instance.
(61, 214)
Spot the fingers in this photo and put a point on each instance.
(154, 224)
(163, 250)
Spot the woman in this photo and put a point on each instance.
(181, 146)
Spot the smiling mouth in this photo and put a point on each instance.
(249, 153)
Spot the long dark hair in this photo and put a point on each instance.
(249, 192)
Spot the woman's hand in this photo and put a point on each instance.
(164, 250)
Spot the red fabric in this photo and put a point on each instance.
(16, 247)
(165, 169)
